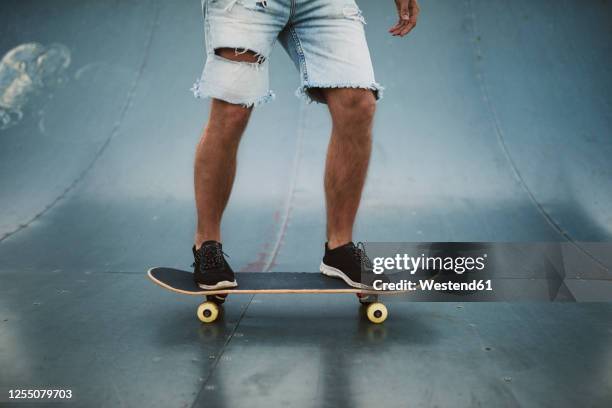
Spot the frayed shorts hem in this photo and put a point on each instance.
(200, 92)
(302, 91)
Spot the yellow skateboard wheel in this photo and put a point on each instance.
(377, 312)
(208, 312)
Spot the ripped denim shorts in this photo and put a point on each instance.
(324, 38)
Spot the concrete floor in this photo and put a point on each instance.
(496, 126)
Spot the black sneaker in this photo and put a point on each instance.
(350, 263)
(211, 270)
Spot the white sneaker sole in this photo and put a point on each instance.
(219, 285)
(337, 273)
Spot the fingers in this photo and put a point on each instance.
(403, 11)
(398, 28)
(403, 27)
(408, 27)
(408, 11)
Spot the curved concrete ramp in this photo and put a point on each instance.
(497, 129)
(496, 126)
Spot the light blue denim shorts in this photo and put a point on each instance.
(324, 38)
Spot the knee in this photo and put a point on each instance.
(228, 116)
(226, 123)
(357, 107)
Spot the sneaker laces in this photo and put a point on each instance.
(210, 256)
(360, 254)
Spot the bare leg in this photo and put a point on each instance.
(348, 156)
(215, 160)
(215, 166)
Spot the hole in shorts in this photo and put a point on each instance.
(240, 55)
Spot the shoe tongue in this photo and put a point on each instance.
(207, 244)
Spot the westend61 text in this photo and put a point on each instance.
(406, 285)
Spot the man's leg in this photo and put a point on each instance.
(214, 172)
(215, 166)
(348, 156)
(239, 39)
(336, 69)
(215, 159)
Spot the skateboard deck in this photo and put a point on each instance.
(181, 281)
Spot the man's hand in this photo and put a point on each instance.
(408, 11)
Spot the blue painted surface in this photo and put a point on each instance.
(496, 126)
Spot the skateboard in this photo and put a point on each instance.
(180, 281)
